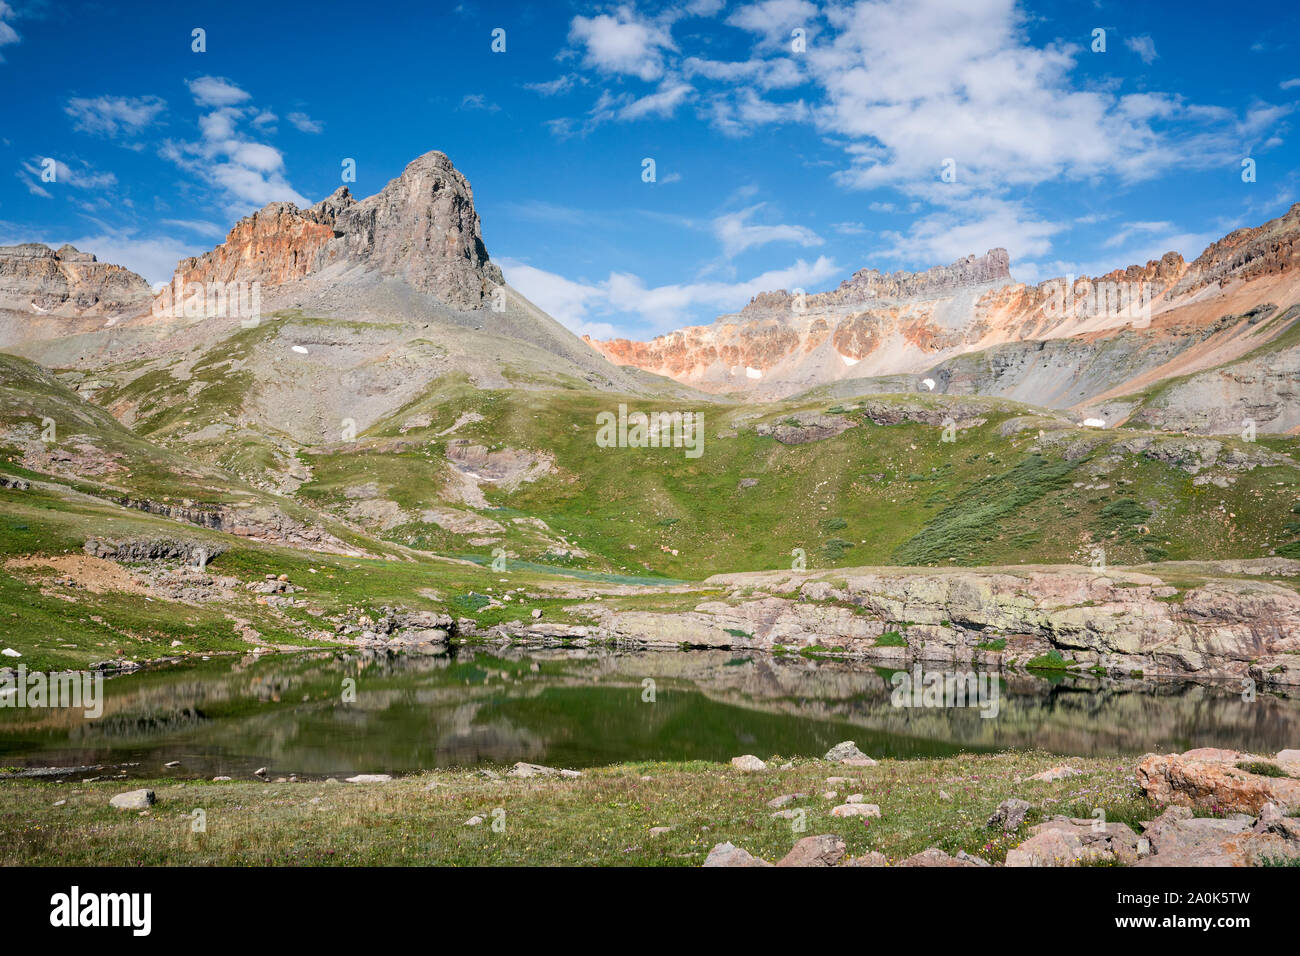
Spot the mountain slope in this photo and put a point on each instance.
(968, 328)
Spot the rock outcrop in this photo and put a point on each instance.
(1222, 781)
(1066, 618)
(422, 228)
(66, 282)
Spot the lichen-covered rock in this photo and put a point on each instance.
(1212, 780)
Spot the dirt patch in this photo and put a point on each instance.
(94, 574)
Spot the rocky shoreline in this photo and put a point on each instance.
(1116, 621)
(1248, 806)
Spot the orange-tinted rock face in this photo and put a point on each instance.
(274, 245)
(422, 227)
(879, 324)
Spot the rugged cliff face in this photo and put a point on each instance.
(970, 329)
(422, 228)
(66, 282)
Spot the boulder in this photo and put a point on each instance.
(1053, 774)
(370, 778)
(776, 803)
(1211, 780)
(871, 858)
(935, 857)
(1009, 815)
(824, 850)
(848, 753)
(133, 800)
(749, 763)
(856, 810)
(728, 854)
(1064, 841)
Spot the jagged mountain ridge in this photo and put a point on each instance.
(928, 325)
(421, 228)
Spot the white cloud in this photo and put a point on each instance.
(625, 107)
(153, 258)
(737, 234)
(774, 19)
(1144, 47)
(557, 86)
(622, 42)
(626, 296)
(476, 101)
(113, 115)
(199, 226)
(563, 299)
(8, 35)
(249, 173)
(304, 123)
(1290, 84)
(217, 91)
(82, 176)
(1130, 229)
(740, 112)
(973, 227)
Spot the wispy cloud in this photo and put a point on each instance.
(247, 172)
(1144, 47)
(736, 232)
(114, 116)
(304, 123)
(8, 35)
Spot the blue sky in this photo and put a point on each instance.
(774, 167)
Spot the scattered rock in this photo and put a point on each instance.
(1009, 815)
(935, 857)
(776, 803)
(133, 800)
(856, 810)
(749, 763)
(869, 859)
(848, 753)
(824, 850)
(474, 821)
(1063, 841)
(370, 778)
(1056, 773)
(525, 770)
(728, 854)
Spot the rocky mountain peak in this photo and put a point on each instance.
(66, 282)
(1273, 247)
(422, 227)
(867, 286)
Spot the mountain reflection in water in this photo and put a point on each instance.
(591, 706)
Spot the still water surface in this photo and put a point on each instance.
(587, 707)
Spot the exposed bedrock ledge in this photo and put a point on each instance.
(1122, 622)
(258, 522)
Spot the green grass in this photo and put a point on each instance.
(602, 818)
(1262, 768)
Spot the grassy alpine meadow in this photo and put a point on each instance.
(604, 817)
